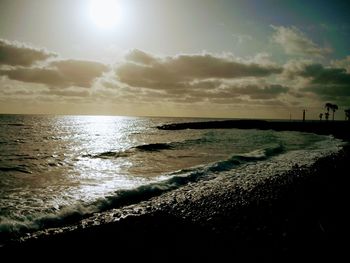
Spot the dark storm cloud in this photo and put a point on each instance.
(63, 73)
(19, 54)
(145, 70)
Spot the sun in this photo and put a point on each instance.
(104, 13)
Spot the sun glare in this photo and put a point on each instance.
(104, 13)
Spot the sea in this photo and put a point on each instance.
(57, 169)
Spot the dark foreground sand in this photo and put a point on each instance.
(301, 215)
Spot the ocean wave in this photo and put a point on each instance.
(109, 154)
(71, 214)
(185, 176)
(10, 227)
(124, 197)
(173, 145)
(151, 147)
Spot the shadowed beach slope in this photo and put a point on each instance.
(300, 214)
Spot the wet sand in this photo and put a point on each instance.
(299, 215)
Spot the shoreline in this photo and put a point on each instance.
(281, 216)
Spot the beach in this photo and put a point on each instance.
(205, 131)
(278, 217)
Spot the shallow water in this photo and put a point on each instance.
(56, 167)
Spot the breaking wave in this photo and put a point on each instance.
(120, 198)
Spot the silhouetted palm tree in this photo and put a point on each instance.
(328, 106)
(334, 108)
(347, 114)
(326, 115)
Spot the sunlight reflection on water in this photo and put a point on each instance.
(94, 135)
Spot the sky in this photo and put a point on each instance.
(188, 58)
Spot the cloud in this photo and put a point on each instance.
(295, 42)
(258, 91)
(195, 78)
(69, 92)
(141, 57)
(19, 54)
(324, 76)
(210, 91)
(19, 62)
(79, 72)
(342, 63)
(329, 83)
(253, 90)
(316, 73)
(147, 71)
(334, 91)
(184, 78)
(34, 75)
(61, 73)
